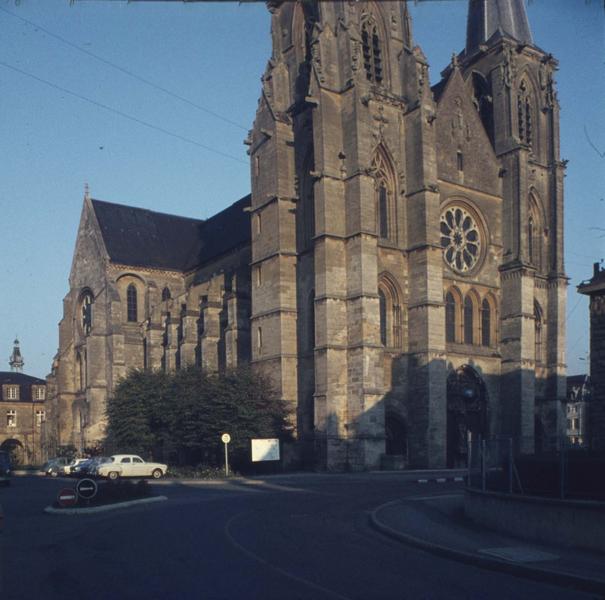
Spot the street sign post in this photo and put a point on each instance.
(86, 488)
(67, 497)
(226, 438)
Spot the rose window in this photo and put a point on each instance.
(460, 239)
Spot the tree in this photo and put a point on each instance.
(180, 416)
(132, 412)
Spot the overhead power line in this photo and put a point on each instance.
(122, 114)
(124, 70)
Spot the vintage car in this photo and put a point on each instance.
(130, 465)
(55, 466)
(71, 467)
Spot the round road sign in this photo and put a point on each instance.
(225, 438)
(67, 497)
(86, 488)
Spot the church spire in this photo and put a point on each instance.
(487, 17)
(16, 360)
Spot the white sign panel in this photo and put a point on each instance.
(265, 450)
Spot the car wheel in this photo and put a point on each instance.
(156, 473)
(113, 475)
(54, 474)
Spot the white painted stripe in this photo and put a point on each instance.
(441, 480)
(314, 586)
(423, 481)
(435, 497)
(458, 478)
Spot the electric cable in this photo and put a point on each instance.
(122, 114)
(124, 70)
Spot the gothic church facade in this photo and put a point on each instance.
(397, 270)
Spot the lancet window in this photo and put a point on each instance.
(486, 322)
(390, 313)
(469, 320)
(538, 333)
(131, 304)
(384, 190)
(450, 318)
(372, 51)
(524, 114)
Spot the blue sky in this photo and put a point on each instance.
(212, 55)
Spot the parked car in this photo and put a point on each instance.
(56, 466)
(5, 468)
(69, 468)
(89, 469)
(75, 467)
(130, 465)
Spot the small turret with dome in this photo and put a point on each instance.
(15, 360)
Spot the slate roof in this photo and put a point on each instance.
(24, 381)
(145, 238)
(488, 17)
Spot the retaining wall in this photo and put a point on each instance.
(574, 523)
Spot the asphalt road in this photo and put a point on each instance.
(290, 537)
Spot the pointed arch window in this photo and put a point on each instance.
(468, 320)
(131, 304)
(450, 318)
(383, 317)
(390, 313)
(536, 234)
(486, 323)
(530, 240)
(538, 333)
(86, 312)
(385, 196)
(372, 52)
(383, 211)
(166, 294)
(524, 114)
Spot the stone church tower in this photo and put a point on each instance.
(397, 270)
(408, 283)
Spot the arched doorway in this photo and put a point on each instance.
(396, 435)
(466, 413)
(15, 450)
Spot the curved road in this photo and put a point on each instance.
(287, 537)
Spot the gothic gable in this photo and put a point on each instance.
(90, 254)
(465, 153)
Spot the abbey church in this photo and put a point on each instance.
(397, 269)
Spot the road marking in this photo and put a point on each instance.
(266, 563)
(435, 497)
(458, 478)
(520, 554)
(441, 480)
(423, 481)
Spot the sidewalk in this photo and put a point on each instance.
(438, 524)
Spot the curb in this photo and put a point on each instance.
(442, 480)
(105, 508)
(22, 472)
(542, 575)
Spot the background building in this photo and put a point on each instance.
(578, 409)
(595, 288)
(397, 270)
(22, 411)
